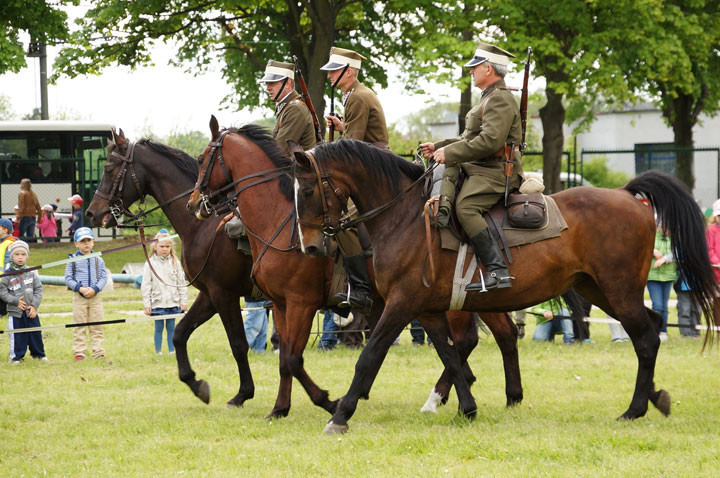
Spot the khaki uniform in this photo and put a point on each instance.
(294, 122)
(364, 116)
(492, 123)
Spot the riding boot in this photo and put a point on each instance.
(488, 252)
(359, 286)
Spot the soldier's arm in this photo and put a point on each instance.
(292, 126)
(356, 119)
(496, 123)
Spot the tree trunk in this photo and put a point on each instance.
(552, 116)
(466, 93)
(682, 122)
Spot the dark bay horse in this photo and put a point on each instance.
(297, 283)
(163, 173)
(605, 254)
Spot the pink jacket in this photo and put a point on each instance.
(47, 226)
(712, 236)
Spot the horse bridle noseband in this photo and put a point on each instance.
(114, 197)
(327, 189)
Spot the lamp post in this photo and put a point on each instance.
(37, 49)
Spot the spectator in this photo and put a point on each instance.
(58, 221)
(688, 317)
(165, 294)
(29, 210)
(553, 316)
(47, 224)
(16, 222)
(86, 278)
(661, 277)
(6, 238)
(329, 338)
(418, 333)
(77, 214)
(23, 294)
(256, 325)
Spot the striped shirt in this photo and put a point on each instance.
(88, 273)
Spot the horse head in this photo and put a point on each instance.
(116, 188)
(319, 202)
(209, 177)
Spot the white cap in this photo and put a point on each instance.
(74, 197)
(716, 208)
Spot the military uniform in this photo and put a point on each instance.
(364, 116)
(492, 123)
(294, 122)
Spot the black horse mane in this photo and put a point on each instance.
(262, 137)
(185, 163)
(382, 165)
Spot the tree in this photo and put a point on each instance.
(679, 65)
(240, 36)
(6, 111)
(45, 22)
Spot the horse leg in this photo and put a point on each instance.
(465, 336)
(282, 402)
(200, 312)
(228, 305)
(292, 344)
(505, 332)
(393, 320)
(642, 325)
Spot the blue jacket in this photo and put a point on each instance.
(88, 273)
(77, 221)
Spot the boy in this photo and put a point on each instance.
(77, 215)
(86, 278)
(23, 294)
(6, 238)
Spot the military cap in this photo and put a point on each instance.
(277, 70)
(491, 53)
(339, 57)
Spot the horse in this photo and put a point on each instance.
(233, 162)
(223, 274)
(605, 254)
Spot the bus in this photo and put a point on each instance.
(61, 158)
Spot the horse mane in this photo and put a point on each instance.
(382, 165)
(264, 140)
(185, 163)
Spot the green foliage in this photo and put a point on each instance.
(192, 142)
(6, 110)
(597, 172)
(43, 21)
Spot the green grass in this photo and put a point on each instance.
(130, 415)
(42, 254)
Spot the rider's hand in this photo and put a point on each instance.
(335, 122)
(440, 156)
(427, 149)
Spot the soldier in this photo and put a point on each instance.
(294, 121)
(491, 126)
(364, 116)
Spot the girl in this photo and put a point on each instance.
(48, 224)
(167, 298)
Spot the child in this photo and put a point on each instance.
(47, 224)
(23, 293)
(77, 215)
(6, 238)
(553, 316)
(86, 278)
(168, 298)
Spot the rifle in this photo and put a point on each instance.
(306, 98)
(331, 131)
(510, 152)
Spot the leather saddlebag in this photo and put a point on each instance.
(526, 211)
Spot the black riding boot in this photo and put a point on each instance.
(488, 252)
(359, 285)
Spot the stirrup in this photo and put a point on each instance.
(482, 284)
(345, 304)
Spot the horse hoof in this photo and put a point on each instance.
(662, 402)
(514, 401)
(277, 414)
(203, 391)
(333, 428)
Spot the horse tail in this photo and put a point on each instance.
(579, 308)
(681, 217)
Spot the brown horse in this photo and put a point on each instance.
(164, 173)
(237, 161)
(605, 254)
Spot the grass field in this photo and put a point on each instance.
(130, 416)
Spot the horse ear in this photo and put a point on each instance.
(214, 127)
(300, 157)
(293, 147)
(119, 137)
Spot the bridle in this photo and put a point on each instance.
(114, 197)
(327, 188)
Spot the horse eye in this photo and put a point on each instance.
(308, 192)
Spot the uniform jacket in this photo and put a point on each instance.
(28, 205)
(155, 293)
(27, 285)
(364, 116)
(294, 122)
(489, 125)
(88, 273)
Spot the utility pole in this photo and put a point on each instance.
(37, 49)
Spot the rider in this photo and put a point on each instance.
(365, 121)
(294, 121)
(490, 126)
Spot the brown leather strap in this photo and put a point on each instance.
(434, 203)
